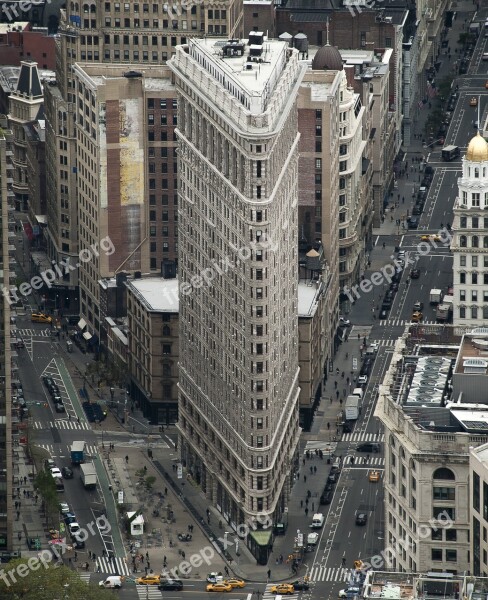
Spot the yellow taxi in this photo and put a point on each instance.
(283, 588)
(430, 237)
(40, 318)
(374, 476)
(473, 101)
(417, 317)
(223, 586)
(235, 583)
(149, 580)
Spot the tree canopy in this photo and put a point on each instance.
(21, 580)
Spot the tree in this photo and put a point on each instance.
(44, 482)
(26, 579)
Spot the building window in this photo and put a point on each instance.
(444, 473)
(475, 222)
(343, 165)
(443, 513)
(444, 493)
(463, 222)
(451, 535)
(436, 534)
(451, 555)
(474, 261)
(463, 241)
(318, 130)
(166, 348)
(462, 312)
(318, 146)
(474, 278)
(462, 260)
(462, 277)
(462, 295)
(436, 554)
(318, 163)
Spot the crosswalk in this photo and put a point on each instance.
(330, 574)
(65, 451)
(400, 323)
(64, 423)
(85, 576)
(268, 595)
(24, 333)
(374, 461)
(361, 438)
(113, 566)
(150, 591)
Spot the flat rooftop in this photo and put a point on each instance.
(13, 26)
(157, 294)
(249, 69)
(155, 77)
(308, 296)
(473, 353)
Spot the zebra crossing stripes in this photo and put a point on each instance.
(85, 576)
(268, 595)
(113, 566)
(89, 450)
(330, 574)
(64, 423)
(23, 333)
(360, 438)
(149, 591)
(401, 323)
(374, 461)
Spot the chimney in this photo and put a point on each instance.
(349, 70)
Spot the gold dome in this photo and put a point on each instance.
(477, 149)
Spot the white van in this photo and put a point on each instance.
(112, 582)
(317, 521)
(358, 392)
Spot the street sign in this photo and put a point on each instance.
(354, 364)
(180, 471)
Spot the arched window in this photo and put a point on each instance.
(86, 8)
(444, 473)
(93, 8)
(463, 241)
(166, 330)
(72, 6)
(475, 241)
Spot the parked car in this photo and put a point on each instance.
(171, 584)
(415, 273)
(418, 306)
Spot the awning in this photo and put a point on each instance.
(82, 323)
(87, 335)
(41, 219)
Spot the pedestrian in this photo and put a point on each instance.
(304, 479)
(16, 505)
(147, 555)
(19, 503)
(226, 570)
(89, 554)
(311, 470)
(18, 514)
(306, 501)
(78, 420)
(25, 479)
(19, 536)
(343, 561)
(306, 511)
(303, 462)
(315, 470)
(301, 503)
(335, 384)
(328, 425)
(269, 574)
(347, 380)
(76, 555)
(69, 417)
(337, 394)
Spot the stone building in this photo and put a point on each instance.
(469, 244)
(238, 168)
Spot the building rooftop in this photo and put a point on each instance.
(473, 353)
(156, 294)
(155, 77)
(15, 26)
(308, 297)
(248, 69)
(9, 76)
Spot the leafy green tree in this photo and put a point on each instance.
(44, 482)
(32, 579)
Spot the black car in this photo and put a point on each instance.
(329, 486)
(415, 273)
(333, 477)
(78, 542)
(369, 447)
(361, 518)
(69, 518)
(383, 315)
(394, 287)
(326, 497)
(300, 585)
(171, 584)
(417, 210)
(67, 473)
(59, 408)
(386, 305)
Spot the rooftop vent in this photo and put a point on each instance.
(256, 38)
(132, 74)
(475, 365)
(233, 48)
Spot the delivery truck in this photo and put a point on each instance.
(435, 296)
(351, 408)
(88, 475)
(442, 313)
(77, 453)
